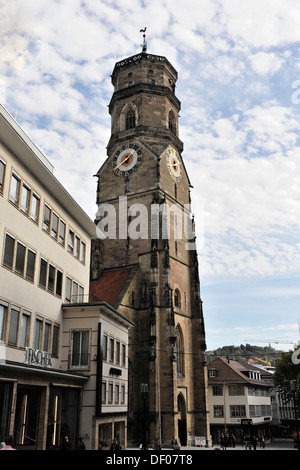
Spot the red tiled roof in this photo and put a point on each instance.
(231, 371)
(109, 285)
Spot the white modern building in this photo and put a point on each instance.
(239, 399)
(95, 342)
(47, 390)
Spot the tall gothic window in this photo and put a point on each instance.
(130, 119)
(177, 298)
(172, 122)
(179, 351)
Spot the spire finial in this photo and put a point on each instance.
(144, 45)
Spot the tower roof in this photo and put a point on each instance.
(142, 57)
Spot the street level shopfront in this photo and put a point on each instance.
(39, 407)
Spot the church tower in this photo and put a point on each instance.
(144, 262)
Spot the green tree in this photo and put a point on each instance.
(287, 369)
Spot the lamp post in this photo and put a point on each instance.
(144, 392)
(293, 390)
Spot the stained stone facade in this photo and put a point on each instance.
(144, 272)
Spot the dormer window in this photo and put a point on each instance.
(212, 373)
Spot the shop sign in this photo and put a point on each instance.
(35, 356)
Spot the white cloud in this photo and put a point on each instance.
(266, 63)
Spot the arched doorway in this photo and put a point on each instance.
(182, 432)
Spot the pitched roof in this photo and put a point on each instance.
(111, 285)
(232, 372)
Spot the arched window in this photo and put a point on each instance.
(172, 122)
(177, 298)
(130, 119)
(179, 351)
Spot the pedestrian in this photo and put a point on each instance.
(65, 445)
(223, 441)
(254, 442)
(9, 442)
(247, 442)
(174, 444)
(114, 445)
(156, 444)
(80, 444)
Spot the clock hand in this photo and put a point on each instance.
(125, 160)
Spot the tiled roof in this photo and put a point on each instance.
(232, 372)
(110, 285)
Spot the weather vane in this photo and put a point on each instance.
(144, 45)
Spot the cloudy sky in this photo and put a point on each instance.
(239, 85)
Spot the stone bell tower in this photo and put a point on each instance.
(143, 196)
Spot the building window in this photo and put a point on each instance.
(25, 198)
(217, 390)
(43, 273)
(68, 288)
(118, 352)
(212, 373)
(74, 291)
(17, 256)
(237, 411)
(104, 347)
(35, 207)
(9, 251)
(54, 225)
(82, 252)
(130, 119)
(47, 218)
(117, 394)
(123, 354)
(62, 232)
(59, 278)
(55, 340)
(13, 325)
(25, 324)
(77, 246)
(38, 332)
(179, 351)
(236, 389)
(110, 392)
(30, 268)
(71, 241)
(172, 122)
(111, 349)
(20, 258)
(47, 331)
(3, 317)
(80, 294)
(51, 277)
(177, 298)
(2, 175)
(218, 411)
(15, 188)
(80, 349)
(103, 392)
(122, 394)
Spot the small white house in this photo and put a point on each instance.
(239, 400)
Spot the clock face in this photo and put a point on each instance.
(126, 160)
(174, 164)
